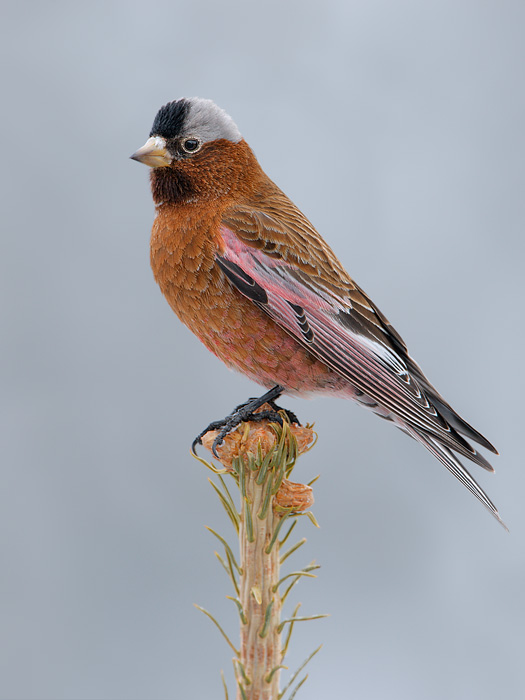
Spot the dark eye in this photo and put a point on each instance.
(191, 145)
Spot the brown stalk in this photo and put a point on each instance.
(260, 456)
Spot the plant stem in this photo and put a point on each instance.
(260, 456)
(260, 638)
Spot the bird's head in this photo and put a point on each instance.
(195, 151)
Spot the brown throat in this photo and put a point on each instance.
(221, 172)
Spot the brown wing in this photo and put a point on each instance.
(273, 225)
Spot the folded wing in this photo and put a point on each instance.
(275, 258)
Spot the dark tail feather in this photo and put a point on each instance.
(453, 464)
(446, 410)
(461, 425)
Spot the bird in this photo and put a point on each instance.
(248, 273)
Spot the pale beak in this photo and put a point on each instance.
(153, 153)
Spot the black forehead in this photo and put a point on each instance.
(170, 119)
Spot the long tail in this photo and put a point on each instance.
(452, 463)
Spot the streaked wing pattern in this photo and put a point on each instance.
(314, 300)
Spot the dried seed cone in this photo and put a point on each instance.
(298, 497)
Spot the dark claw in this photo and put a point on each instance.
(215, 425)
(245, 412)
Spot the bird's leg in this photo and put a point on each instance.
(245, 412)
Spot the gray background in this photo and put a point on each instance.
(398, 128)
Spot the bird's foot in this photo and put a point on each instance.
(246, 412)
(290, 415)
(226, 425)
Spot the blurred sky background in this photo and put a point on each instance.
(398, 127)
